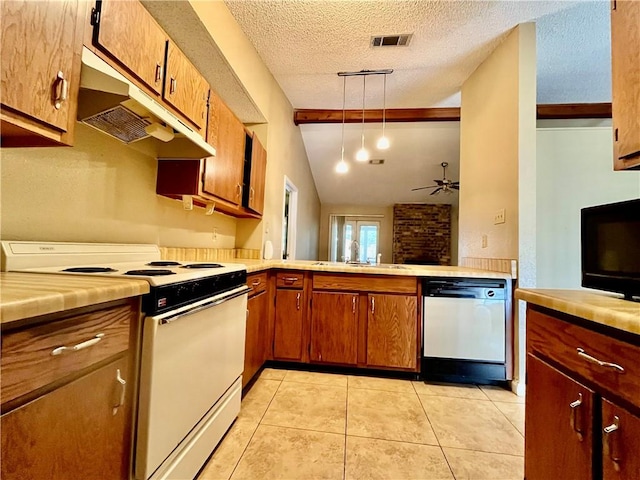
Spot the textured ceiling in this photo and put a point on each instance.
(306, 42)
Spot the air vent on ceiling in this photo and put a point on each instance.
(376, 161)
(391, 40)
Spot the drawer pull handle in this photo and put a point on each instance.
(591, 359)
(158, 75)
(298, 301)
(64, 90)
(255, 283)
(79, 346)
(608, 448)
(172, 85)
(373, 305)
(290, 279)
(575, 406)
(123, 388)
(353, 304)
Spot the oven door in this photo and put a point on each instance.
(190, 358)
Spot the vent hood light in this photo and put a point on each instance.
(109, 102)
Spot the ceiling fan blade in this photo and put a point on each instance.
(455, 187)
(436, 191)
(439, 182)
(422, 188)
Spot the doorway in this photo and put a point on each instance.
(289, 220)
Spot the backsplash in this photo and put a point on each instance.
(502, 265)
(422, 234)
(208, 254)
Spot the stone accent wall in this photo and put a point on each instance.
(422, 234)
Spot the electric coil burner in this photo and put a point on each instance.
(150, 273)
(163, 263)
(192, 346)
(90, 270)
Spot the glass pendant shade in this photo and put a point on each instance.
(342, 167)
(383, 143)
(362, 155)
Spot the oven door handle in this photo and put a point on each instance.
(204, 306)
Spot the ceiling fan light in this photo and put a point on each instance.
(383, 143)
(342, 167)
(362, 155)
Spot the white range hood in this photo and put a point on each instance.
(109, 102)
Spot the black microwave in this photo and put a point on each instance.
(610, 242)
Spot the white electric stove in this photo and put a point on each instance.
(192, 344)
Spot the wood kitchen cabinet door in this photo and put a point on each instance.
(334, 328)
(621, 443)
(185, 89)
(223, 173)
(288, 328)
(40, 52)
(72, 432)
(559, 432)
(128, 33)
(392, 331)
(625, 79)
(257, 176)
(255, 341)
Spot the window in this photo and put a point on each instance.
(353, 240)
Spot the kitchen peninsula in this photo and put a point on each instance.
(583, 370)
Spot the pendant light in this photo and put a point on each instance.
(342, 166)
(363, 155)
(383, 142)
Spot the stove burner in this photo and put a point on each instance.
(163, 263)
(89, 270)
(150, 273)
(202, 265)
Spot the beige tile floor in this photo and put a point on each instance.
(306, 425)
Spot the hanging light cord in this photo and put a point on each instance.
(344, 96)
(384, 102)
(364, 89)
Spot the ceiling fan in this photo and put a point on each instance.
(444, 185)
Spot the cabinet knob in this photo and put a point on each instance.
(61, 87)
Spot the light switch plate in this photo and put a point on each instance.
(499, 217)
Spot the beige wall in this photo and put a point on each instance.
(497, 162)
(386, 226)
(286, 154)
(103, 191)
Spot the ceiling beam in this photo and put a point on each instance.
(451, 114)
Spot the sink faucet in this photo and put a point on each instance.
(356, 251)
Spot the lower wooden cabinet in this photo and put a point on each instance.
(334, 328)
(81, 430)
(289, 325)
(564, 444)
(255, 341)
(392, 331)
(582, 413)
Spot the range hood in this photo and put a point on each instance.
(109, 102)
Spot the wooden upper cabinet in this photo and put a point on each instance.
(559, 428)
(392, 331)
(625, 62)
(40, 64)
(185, 89)
(129, 34)
(334, 328)
(223, 173)
(213, 119)
(257, 176)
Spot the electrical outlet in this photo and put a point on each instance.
(499, 217)
(484, 241)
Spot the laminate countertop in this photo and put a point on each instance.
(383, 269)
(602, 308)
(26, 295)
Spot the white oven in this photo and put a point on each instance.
(190, 384)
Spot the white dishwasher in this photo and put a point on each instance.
(464, 329)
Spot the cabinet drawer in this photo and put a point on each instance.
(559, 341)
(28, 362)
(257, 282)
(365, 283)
(290, 279)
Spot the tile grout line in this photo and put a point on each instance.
(346, 423)
(254, 432)
(434, 431)
(508, 419)
(484, 451)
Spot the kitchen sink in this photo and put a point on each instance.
(363, 264)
